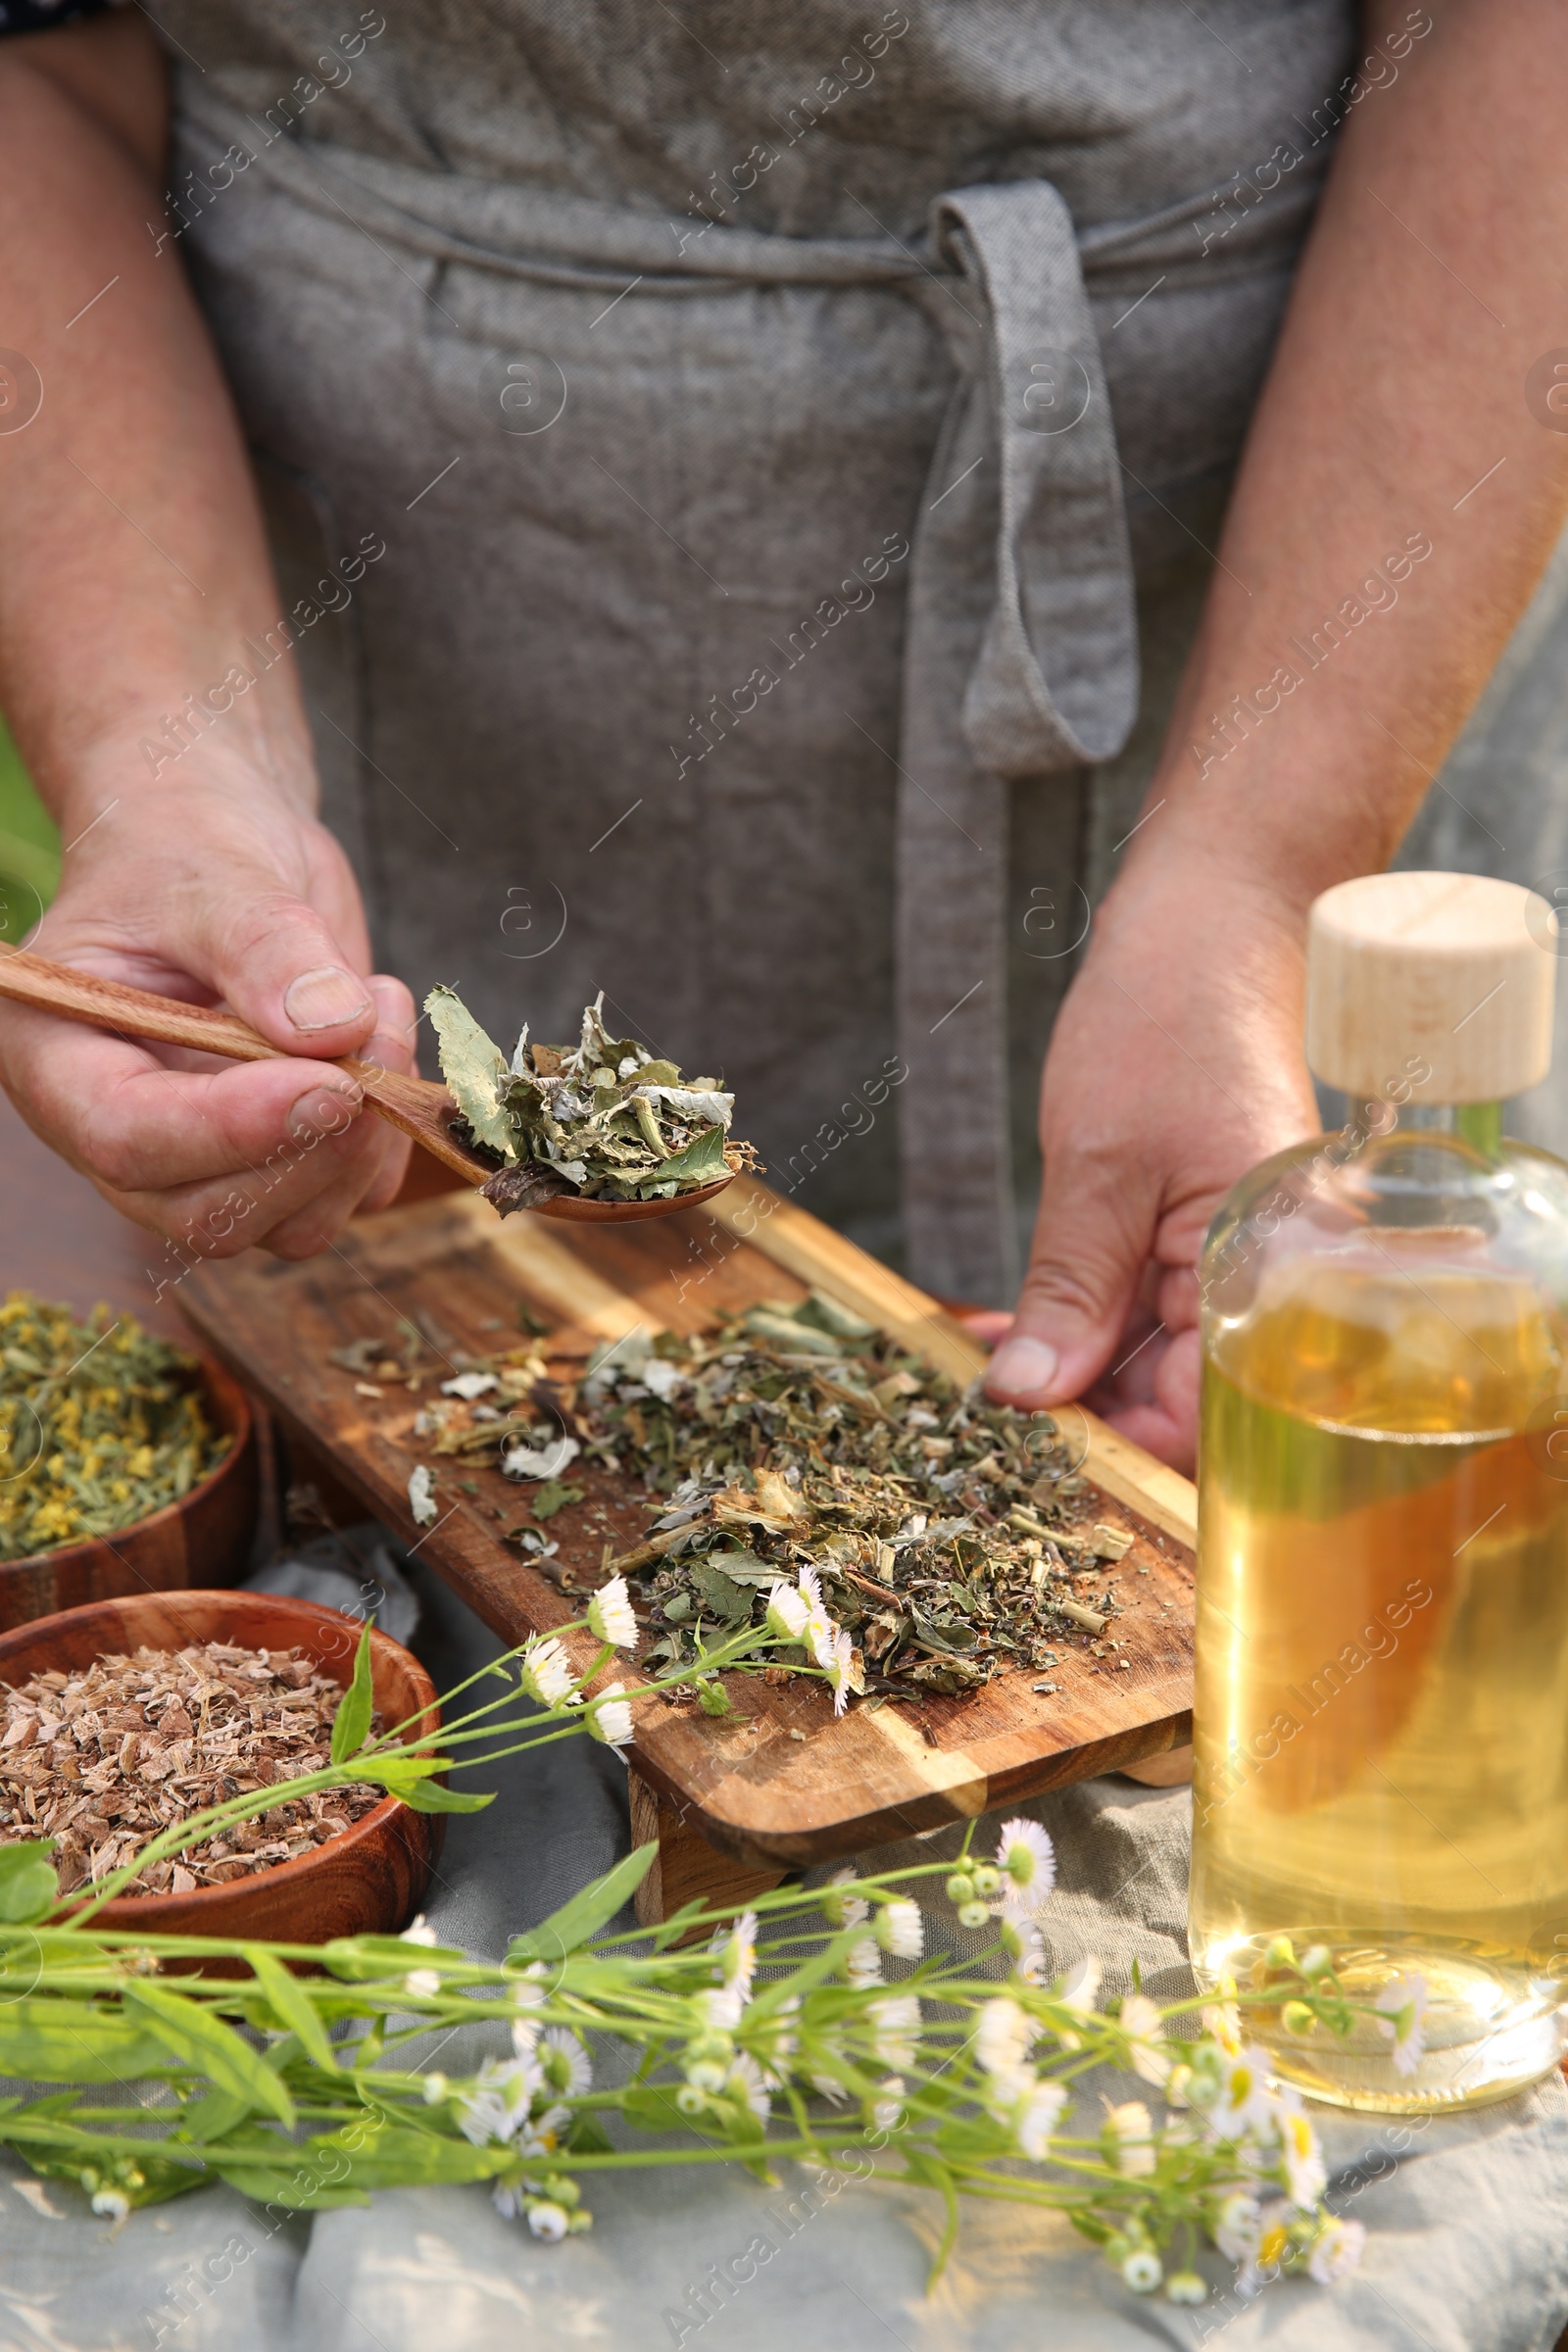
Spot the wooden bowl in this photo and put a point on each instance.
(367, 1881)
(201, 1539)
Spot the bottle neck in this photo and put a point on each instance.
(1478, 1124)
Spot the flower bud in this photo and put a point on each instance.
(1296, 2017)
(973, 1915)
(1280, 1952)
(987, 1877)
(960, 1887)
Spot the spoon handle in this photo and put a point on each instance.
(416, 1105)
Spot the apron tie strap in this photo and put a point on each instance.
(1020, 661)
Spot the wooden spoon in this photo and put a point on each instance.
(416, 1105)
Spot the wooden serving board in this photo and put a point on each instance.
(769, 1799)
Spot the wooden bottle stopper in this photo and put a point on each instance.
(1456, 971)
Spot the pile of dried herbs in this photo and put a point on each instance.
(106, 1758)
(100, 1425)
(948, 1532)
(602, 1118)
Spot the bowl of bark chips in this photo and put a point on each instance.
(120, 1718)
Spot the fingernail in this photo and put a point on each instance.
(325, 998)
(1022, 1367)
(322, 1112)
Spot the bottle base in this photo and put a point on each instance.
(1489, 2028)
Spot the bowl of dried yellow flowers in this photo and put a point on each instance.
(126, 1466)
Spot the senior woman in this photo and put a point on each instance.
(694, 488)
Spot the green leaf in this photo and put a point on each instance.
(587, 1912)
(699, 1163)
(671, 1929)
(428, 1796)
(198, 2038)
(653, 2109)
(588, 2136)
(45, 2041)
(285, 2187)
(351, 1724)
(554, 1497)
(214, 2116)
(29, 1885)
(291, 2006)
(473, 1067)
(720, 1592)
(327, 2171)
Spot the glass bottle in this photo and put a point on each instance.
(1381, 1717)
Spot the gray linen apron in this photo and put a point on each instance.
(773, 426)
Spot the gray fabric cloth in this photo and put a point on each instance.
(635, 697)
(1466, 2251)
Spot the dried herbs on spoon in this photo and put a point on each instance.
(604, 1118)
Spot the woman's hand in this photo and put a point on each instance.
(1176, 1065)
(1401, 488)
(217, 892)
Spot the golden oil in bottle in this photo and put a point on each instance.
(1382, 1681)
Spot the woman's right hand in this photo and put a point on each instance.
(216, 891)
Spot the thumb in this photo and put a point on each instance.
(278, 965)
(1092, 1241)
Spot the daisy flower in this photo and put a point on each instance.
(1305, 2173)
(774, 2041)
(840, 1667)
(1031, 1961)
(1003, 2036)
(549, 2221)
(423, 1983)
(821, 1636)
(1237, 2226)
(499, 2102)
(722, 2008)
(863, 1963)
(1404, 2001)
(1222, 2020)
(546, 1672)
(1129, 2141)
(1027, 1861)
(896, 2028)
(1038, 2116)
(609, 1614)
(736, 1955)
(1336, 2250)
(901, 1931)
(887, 2108)
(787, 1612)
(745, 2083)
(609, 1717)
(841, 1909)
(421, 1931)
(564, 2062)
(1139, 2019)
(1243, 2103)
(1079, 1986)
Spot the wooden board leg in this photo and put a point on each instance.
(686, 1865)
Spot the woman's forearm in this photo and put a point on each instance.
(1399, 495)
(132, 562)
